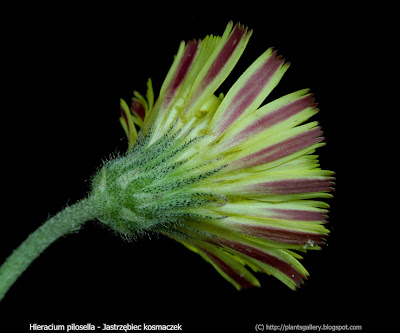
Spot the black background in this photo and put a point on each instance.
(65, 71)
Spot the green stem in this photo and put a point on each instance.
(63, 223)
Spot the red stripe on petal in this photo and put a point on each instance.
(299, 215)
(226, 52)
(272, 118)
(282, 235)
(281, 149)
(250, 91)
(138, 108)
(183, 68)
(266, 258)
(295, 186)
(229, 271)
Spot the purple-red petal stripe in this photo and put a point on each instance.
(250, 91)
(138, 108)
(282, 235)
(298, 215)
(231, 44)
(281, 114)
(182, 70)
(266, 258)
(281, 149)
(228, 270)
(295, 186)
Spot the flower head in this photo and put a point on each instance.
(233, 181)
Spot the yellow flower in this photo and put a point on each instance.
(232, 180)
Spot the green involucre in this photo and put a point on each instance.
(152, 186)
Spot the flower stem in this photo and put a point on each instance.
(66, 221)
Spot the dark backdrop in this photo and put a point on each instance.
(65, 74)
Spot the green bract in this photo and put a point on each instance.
(152, 187)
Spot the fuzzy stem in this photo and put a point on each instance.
(63, 223)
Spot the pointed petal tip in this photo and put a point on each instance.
(243, 28)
